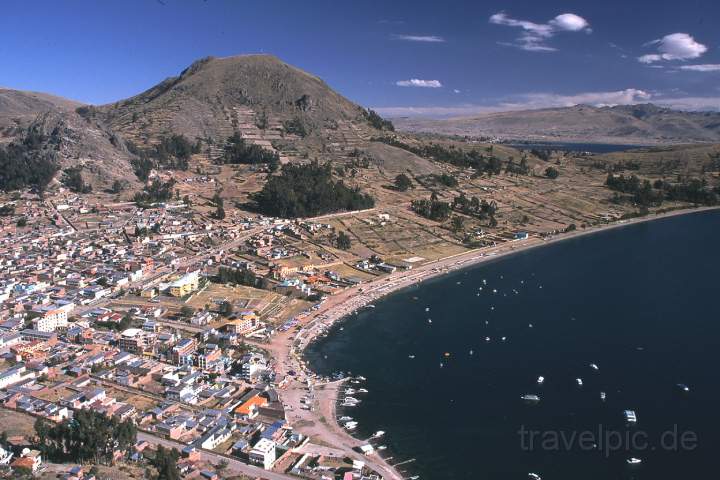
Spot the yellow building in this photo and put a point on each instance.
(185, 285)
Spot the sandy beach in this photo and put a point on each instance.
(320, 422)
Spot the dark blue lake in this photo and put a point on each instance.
(637, 301)
(576, 147)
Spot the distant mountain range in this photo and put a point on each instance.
(284, 109)
(644, 124)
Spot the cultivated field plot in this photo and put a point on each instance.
(242, 297)
(16, 423)
(400, 236)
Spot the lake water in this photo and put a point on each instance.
(637, 301)
(576, 147)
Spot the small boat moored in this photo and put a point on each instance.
(630, 416)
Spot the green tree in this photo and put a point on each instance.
(457, 223)
(403, 182)
(165, 463)
(117, 186)
(343, 241)
(552, 173)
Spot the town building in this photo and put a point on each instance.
(263, 453)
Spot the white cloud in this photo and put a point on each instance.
(456, 90)
(676, 46)
(548, 100)
(707, 67)
(420, 38)
(416, 82)
(569, 22)
(535, 34)
(525, 101)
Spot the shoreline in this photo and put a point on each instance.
(289, 348)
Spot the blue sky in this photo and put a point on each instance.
(402, 57)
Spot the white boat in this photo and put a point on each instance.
(411, 357)
(541, 380)
(349, 391)
(579, 382)
(531, 398)
(378, 434)
(633, 461)
(487, 339)
(683, 387)
(594, 366)
(361, 378)
(382, 447)
(534, 476)
(362, 390)
(345, 418)
(602, 396)
(351, 425)
(630, 416)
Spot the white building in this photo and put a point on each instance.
(51, 320)
(14, 375)
(263, 453)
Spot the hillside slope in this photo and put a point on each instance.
(74, 141)
(269, 102)
(628, 124)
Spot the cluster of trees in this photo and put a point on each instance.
(296, 126)
(646, 194)
(307, 191)
(543, 154)
(376, 121)
(490, 164)
(692, 191)
(239, 276)
(238, 151)
(447, 180)
(432, 209)
(552, 173)
(72, 178)
(172, 152)
(165, 462)
(403, 182)
(7, 210)
(641, 190)
(219, 206)
(157, 191)
(26, 164)
(476, 208)
(521, 168)
(625, 165)
(89, 436)
(343, 241)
